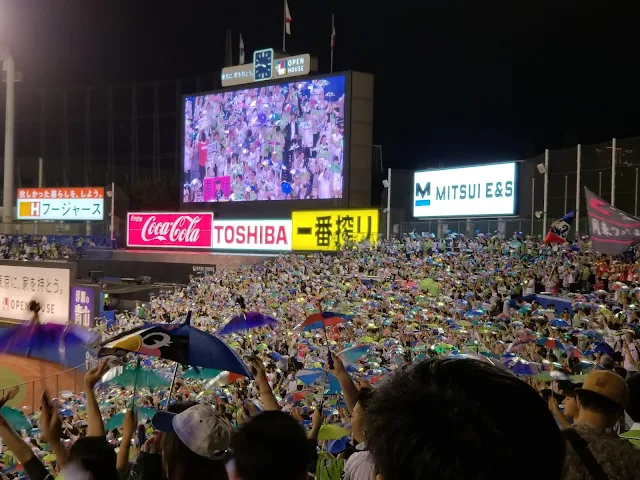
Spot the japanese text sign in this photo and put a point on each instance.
(169, 230)
(331, 230)
(70, 204)
(83, 306)
(20, 284)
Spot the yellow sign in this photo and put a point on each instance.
(330, 230)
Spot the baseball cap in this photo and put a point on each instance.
(607, 384)
(201, 428)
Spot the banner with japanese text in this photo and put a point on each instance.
(48, 284)
(332, 230)
(612, 231)
(81, 204)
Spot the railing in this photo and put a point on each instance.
(30, 393)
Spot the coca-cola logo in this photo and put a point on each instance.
(183, 229)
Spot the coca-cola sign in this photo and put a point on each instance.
(170, 230)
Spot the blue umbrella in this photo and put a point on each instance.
(559, 323)
(36, 340)
(179, 342)
(245, 321)
(353, 354)
(602, 347)
(315, 375)
(592, 334)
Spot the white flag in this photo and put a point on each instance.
(287, 18)
(241, 53)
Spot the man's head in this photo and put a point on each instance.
(601, 399)
(95, 456)
(429, 419)
(633, 407)
(358, 415)
(270, 445)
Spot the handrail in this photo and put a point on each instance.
(42, 378)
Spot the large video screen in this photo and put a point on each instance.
(277, 142)
(485, 190)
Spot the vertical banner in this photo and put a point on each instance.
(85, 305)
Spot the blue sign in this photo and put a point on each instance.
(83, 306)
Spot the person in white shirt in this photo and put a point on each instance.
(630, 353)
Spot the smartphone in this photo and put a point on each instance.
(141, 438)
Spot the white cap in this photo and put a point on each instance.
(201, 428)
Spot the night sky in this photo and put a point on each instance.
(456, 82)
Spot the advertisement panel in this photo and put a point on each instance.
(330, 230)
(169, 230)
(82, 204)
(273, 235)
(47, 285)
(86, 304)
(487, 190)
(273, 143)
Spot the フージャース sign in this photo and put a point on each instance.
(81, 204)
(487, 190)
(330, 230)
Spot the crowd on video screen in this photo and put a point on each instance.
(278, 142)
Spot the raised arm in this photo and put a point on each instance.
(95, 427)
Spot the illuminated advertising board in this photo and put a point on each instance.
(20, 283)
(169, 230)
(272, 235)
(69, 204)
(330, 230)
(487, 190)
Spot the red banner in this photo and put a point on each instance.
(170, 230)
(612, 231)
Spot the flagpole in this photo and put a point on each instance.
(284, 27)
(333, 29)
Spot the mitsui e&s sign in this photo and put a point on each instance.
(486, 190)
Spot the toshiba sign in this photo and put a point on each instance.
(274, 235)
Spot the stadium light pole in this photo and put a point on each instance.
(578, 161)
(546, 191)
(613, 173)
(8, 65)
(388, 204)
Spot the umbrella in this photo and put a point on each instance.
(15, 418)
(591, 334)
(222, 379)
(353, 354)
(522, 367)
(552, 343)
(37, 340)
(245, 321)
(201, 373)
(313, 375)
(603, 347)
(116, 420)
(332, 432)
(179, 342)
(323, 319)
(559, 323)
(573, 351)
(136, 377)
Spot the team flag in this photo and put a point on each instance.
(560, 229)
